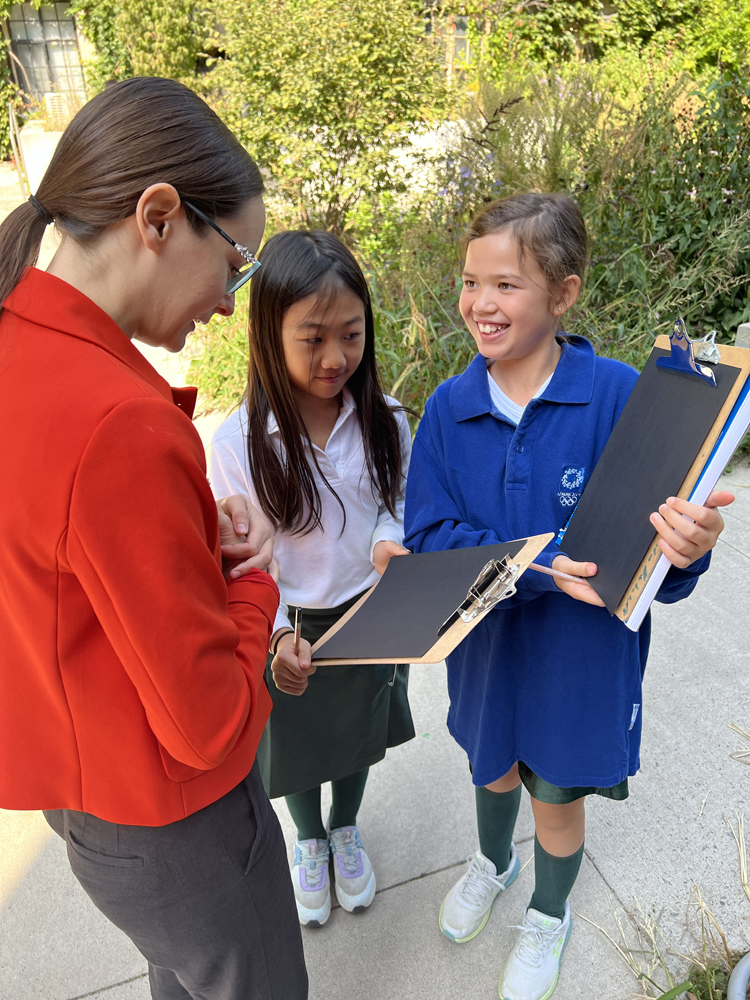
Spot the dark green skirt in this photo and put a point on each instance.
(346, 719)
(543, 791)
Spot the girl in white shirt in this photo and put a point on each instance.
(323, 452)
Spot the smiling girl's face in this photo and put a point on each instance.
(324, 341)
(506, 303)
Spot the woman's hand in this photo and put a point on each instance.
(688, 530)
(246, 538)
(384, 551)
(291, 670)
(580, 591)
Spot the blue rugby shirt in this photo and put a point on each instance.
(543, 678)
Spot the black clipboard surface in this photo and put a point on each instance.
(426, 604)
(648, 455)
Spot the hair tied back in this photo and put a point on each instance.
(40, 210)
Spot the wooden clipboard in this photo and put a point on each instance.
(736, 357)
(658, 448)
(425, 605)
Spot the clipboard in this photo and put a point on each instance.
(658, 448)
(425, 605)
(637, 603)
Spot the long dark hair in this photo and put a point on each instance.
(134, 134)
(295, 265)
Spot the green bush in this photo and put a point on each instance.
(143, 38)
(662, 191)
(660, 184)
(643, 117)
(324, 93)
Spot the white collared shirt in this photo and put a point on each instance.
(326, 566)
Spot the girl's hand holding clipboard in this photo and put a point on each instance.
(384, 551)
(580, 590)
(689, 530)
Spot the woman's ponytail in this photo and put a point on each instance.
(20, 238)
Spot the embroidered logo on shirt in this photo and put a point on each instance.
(634, 716)
(571, 485)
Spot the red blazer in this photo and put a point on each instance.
(131, 674)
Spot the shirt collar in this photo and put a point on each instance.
(46, 300)
(572, 382)
(348, 406)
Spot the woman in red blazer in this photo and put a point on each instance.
(131, 671)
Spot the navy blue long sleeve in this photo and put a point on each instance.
(543, 678)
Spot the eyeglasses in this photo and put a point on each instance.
(246, 273)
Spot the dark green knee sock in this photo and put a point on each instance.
(496, 818)
(346, 794)
(305, 810)
(554, 880)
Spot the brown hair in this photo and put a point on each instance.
(296, 265)
(135, 133)
(549, 227)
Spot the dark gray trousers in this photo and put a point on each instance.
(207, 900)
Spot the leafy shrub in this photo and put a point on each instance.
(324, 93)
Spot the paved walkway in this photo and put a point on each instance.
(417, 821)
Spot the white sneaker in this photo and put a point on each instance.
(467, 907)
(312, 887)
(353, 877)
(533, 967)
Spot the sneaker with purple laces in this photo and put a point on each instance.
(353, 877)
(312, 887)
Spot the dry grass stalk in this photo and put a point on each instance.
(647, 956)
(742, 756)
(739, 838)
(648, 938)
(715, 952)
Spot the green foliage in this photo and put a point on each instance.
(711, 982)
(324, 92)
(660, 184)
(142, 38)
(720, 37)
(673, 226)
(98, 21)
(701, 34)
(220, 372)
(642, 115)
(163, 39)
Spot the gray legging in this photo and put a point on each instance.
(207, 900)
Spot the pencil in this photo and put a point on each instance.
(297, 629)
(556, 572)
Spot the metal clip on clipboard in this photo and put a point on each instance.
(682, 358)
(495, 583)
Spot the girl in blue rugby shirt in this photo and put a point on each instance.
(546, 691)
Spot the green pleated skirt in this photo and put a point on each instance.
(345, 720)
